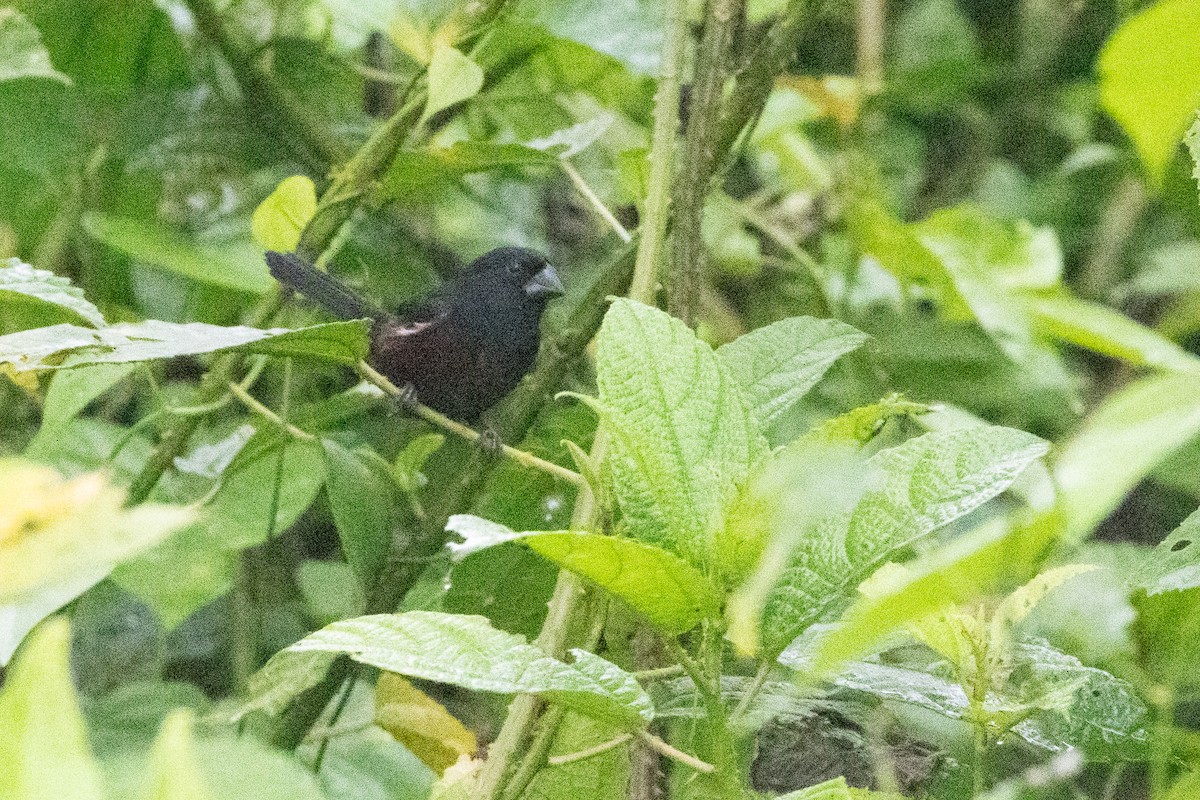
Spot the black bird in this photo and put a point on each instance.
(463, 348)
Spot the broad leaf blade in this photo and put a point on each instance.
(925, 483)
(44, 753)
(41, 297)
(673, 595)
(1099, 328)
(66, 346)
(1174, 565)
(240, 267)
(279, 220)
(1131, 432)
(22, 54)
(466, 651)
(1150, 78)
(361, 508)
(777, 364)
(683, 436)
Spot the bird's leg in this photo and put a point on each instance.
(406, 398)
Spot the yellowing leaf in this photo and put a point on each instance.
(279, 220)
(420, 723)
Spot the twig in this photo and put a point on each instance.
(756, 684)
(597, 204)
(871, 33)
(659, 673)
(591, 752)
(426, 413)
(662, 155)
(696, 169)
(659, 746)
(272, 101)
(254, 405)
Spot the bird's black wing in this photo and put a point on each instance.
(320, 287)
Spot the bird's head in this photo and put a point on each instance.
(524, 268)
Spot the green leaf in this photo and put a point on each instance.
(1103, 330)
(279, 220)
(331, 590)
(171, 773)
(777, 364)
(467, 652)
(1132, 431)
(182, 767)
(415, 173)
(1072, 705)
(282, 678)
(31, 298)
(361, 503)
(958, 573)
(71, 391)
(196, 565)
(924, 484)
(1106, 718)
(1193, 143)
(833, 789)
(673, 595)
(896, 247)
(339, 342)
(683, 437)
(1175, 564)
(44, 753)
(602, 777)
(452, 78)
(862, 423)
(240, 267)
(409, 462)
(628, 30)
(21, 52)
(1150, 78)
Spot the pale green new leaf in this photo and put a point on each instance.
(44, 754)
(278, 220)
(673, 595)
(1150, 78)
(171, 771)
(1175, 564)
(602, 777)
(467, 651)
(73, 346)
(777, 364)
(452, 78)
(1131, 432)
(22, 54)
(1103, 330)
(682, 434)
(41, 297)
(923, 484)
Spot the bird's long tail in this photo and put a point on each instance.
(321, 287)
